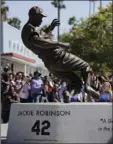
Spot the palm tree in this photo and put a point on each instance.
(15, 22)
(59, 5)
(89, 8)
(100, 3)
(4, 11)
(90, 2)
(93, 6)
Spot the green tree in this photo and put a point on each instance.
(15, 22)
(91, 39)
(72, 20)
(59, 5)
(4, 10)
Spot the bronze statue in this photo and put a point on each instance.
(55, 55)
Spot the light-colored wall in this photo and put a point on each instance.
(26, 68)
(12, 43)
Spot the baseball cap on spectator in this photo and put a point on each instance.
(37, 73)
(6, 68)
(36, 10)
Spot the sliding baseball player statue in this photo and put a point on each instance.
(55, 55)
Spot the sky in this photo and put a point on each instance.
(73, 8)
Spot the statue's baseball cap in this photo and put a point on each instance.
(36, 10)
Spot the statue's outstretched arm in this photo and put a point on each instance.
(48, 30)
(51, 27)
(44, 43)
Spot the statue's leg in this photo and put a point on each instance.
(74, 81)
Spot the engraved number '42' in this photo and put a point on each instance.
(40, 127)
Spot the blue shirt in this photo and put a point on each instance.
(105, 97)
(81, 96)
(74, 99)
(62, 89)
(36, 86)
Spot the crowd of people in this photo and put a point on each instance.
(36, 88)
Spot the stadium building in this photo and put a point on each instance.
(17, 55)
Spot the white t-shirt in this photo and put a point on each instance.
(24, 93)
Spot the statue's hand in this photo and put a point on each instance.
(54, 23)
